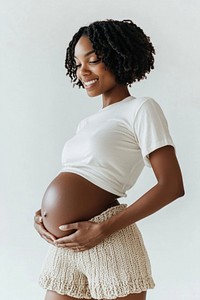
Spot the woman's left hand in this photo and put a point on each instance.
(87, 235)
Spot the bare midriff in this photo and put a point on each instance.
(71, 198)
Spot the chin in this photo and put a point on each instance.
(92, 95)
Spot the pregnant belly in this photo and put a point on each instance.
(70, 198)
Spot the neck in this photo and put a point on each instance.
(117, 95)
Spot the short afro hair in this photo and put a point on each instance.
(123, 47)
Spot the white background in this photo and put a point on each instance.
(39, 111)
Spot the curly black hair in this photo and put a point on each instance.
(123, 47)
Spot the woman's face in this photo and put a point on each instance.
(93, 74)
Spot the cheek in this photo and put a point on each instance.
(102, 70)
(109, 79)
(109, 75)
(105, 72)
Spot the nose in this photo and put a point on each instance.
(83, 70)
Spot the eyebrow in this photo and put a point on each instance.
(88, 53)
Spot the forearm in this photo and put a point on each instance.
(155, 199)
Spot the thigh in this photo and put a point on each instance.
(50, 295)
(140, 296)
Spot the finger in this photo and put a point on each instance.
(63, 243)
(66, 243)
(66, 240)
(47, 239)
(77, 249)
(38, 219)
(38, 212)
(48, 235)
(69, 226)
(51, 237)
(44, 233)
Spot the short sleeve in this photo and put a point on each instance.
(151, 129)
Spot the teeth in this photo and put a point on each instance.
(90, 82)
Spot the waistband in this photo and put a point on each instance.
(108, 213)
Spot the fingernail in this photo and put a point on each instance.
(62, 227)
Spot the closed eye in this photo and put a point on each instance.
(95, 61)
(90, 62)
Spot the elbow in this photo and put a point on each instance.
(174, 189)
(179, 190)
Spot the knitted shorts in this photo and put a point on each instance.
(116, 267)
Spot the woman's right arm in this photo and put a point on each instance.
(38, 224)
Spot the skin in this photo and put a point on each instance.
(54, 296)
(164, 163)
(64, 203)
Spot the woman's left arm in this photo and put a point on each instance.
(168, 188)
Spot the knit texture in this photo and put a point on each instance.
(116, 267)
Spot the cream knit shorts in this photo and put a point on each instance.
(116, 267)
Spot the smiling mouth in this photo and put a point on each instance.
(88, 84)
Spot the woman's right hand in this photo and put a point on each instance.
(39, 226)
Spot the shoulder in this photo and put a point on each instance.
(139, 106)
(149, 115)
(145, 102)
(146, 105)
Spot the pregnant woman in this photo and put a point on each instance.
(97, 249)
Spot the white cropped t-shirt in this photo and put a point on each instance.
(111, 147)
